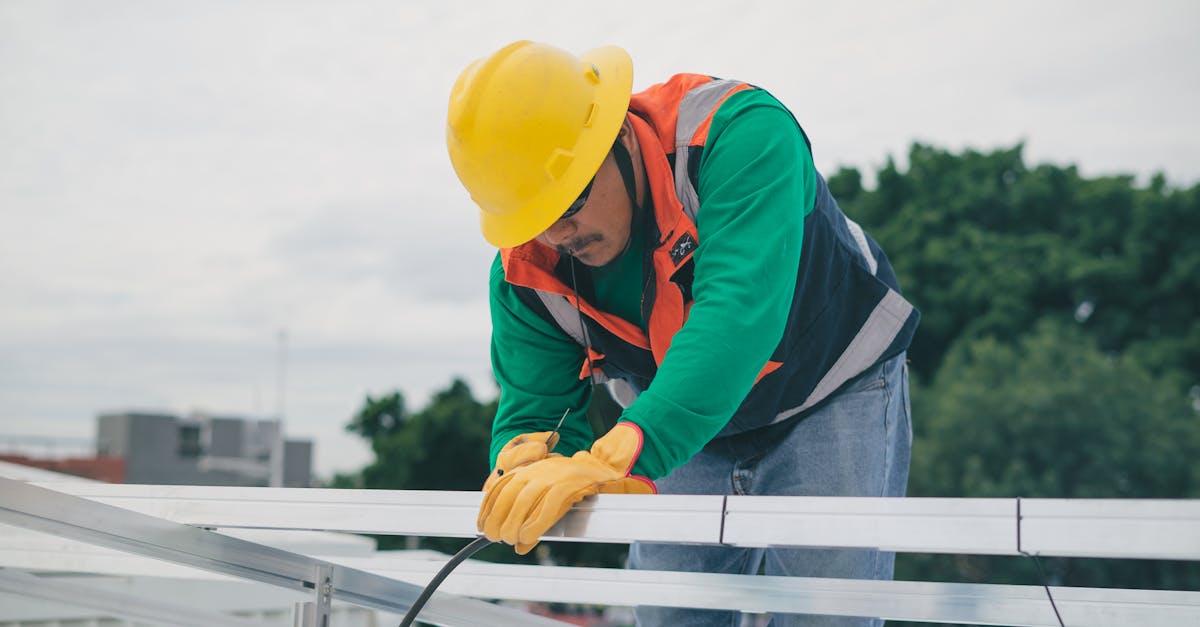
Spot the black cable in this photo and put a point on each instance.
(1038, 563)
(1041, 572)
(467, 551)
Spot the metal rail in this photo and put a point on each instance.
(1088, 528)
(114, 603)
(986, 604)
(1113, 528)
(983, 604)
(45, 510)
(892, 600)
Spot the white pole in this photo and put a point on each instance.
(277, 445)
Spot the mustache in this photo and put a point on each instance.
(572, 247)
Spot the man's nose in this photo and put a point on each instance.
(558, 232)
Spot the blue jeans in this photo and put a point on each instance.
(856, 444)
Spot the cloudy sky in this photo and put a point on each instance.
(179, 182)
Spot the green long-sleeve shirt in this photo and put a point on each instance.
(756, 184)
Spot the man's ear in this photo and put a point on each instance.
(626, 134)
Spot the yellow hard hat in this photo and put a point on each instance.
(528, 128)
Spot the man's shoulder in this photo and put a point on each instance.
(497, 277)
(677, 84)
(753, 113)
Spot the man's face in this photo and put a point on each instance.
(599, 232)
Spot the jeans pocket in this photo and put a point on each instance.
(873, 378)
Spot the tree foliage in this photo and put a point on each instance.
(987, 247)
(436, 448)
(1052, 416)
(441, 447)
(1059, 341)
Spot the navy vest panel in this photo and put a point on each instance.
(846, 316)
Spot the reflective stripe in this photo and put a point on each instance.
(876, 334)
(861, 239)
(567, 318)
(622, 391)
(564, 314)
(696, 107)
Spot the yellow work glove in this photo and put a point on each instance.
(522, 505)
(531, 447)
(520, 451)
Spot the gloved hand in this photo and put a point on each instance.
(527, 448)
(522, 505)
(520, 451)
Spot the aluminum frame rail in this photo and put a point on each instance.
(1102, 528)
(125, 606)
(981, 604)
(734, 520)
(986, 604)
(46, 510)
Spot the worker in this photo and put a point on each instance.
(678, 246)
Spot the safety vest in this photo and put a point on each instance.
(847, 312)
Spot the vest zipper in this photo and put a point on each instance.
(648, 271)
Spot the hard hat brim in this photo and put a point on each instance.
(613, 92)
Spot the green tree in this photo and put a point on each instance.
(378, 420)
(1060, 336)
(436, 448)
(986, 246)
(441, 447)
(1052, 415)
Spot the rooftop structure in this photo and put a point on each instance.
(129, 531)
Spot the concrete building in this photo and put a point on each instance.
(200, 450)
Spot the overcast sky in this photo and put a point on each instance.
(181, 181)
